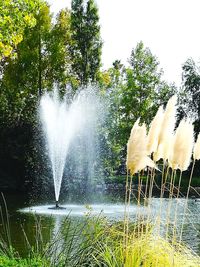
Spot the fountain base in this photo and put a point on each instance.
(57, 207)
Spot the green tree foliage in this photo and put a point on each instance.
(189, 98)
(23, 78)
(142, 78)
(86, 42)
(26, 75)
(15, 16)
(60, 63)
(190, 93)
(113, 81)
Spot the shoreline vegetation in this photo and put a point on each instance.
(94, 241)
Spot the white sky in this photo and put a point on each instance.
(170, 28)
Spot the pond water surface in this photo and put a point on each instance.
(23, 217)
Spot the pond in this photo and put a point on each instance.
(23, 217)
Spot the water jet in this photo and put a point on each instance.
(69, 125)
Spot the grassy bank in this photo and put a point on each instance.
(17, 262)
(96, 242)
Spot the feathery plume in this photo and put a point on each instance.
(183, 144)
(196, 153)
(135, 127)
(154, 131)
(137, 158)
(130, 143)
(167, 129)
(164, 149)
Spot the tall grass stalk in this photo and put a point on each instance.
(186, 200)
(125, 210)
(148, 221)
(6, 241)
(128, 206)
(176, 207)
(162, 190)
(171, 190)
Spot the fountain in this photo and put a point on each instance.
(70, 129)
(62, 122)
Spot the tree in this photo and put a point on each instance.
(190, 93)
(138, 93)
(59, 71)
(58, 49)
(142, 78)
(24, 76)
(15, 16)
(86, 42)
(189, 98)
(111, 84)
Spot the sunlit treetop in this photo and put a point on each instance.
(15, 16)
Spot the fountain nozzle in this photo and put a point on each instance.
(57, 207)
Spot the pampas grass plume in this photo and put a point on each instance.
(137, 158)
(196, 153)
(167, 129)
(154, 131)
(164, 149)
(183, 145)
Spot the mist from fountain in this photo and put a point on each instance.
(62, 121)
